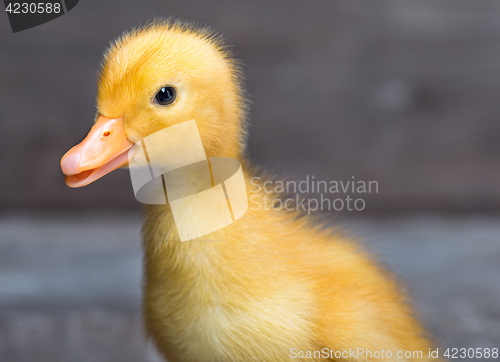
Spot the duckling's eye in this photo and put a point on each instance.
(165, 95)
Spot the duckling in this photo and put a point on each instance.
(271, 286)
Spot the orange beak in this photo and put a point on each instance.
(102, 151)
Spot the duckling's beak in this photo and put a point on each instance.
(102, 151)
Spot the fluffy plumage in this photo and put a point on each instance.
(271, 281)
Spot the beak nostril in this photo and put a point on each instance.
(106, 134)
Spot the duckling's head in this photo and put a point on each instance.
(155, 77)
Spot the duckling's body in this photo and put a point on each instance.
(265, 288)
(269, 287)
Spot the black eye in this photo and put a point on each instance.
(165, 95)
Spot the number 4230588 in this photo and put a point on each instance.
(471, 353)
(33, 8)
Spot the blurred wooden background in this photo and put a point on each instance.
(404, 92)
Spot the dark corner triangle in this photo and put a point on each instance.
(70, 4)
(22, 21)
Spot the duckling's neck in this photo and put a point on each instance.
(160, 231)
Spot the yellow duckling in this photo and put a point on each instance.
(273, 287)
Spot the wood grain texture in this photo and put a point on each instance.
(402, 92)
